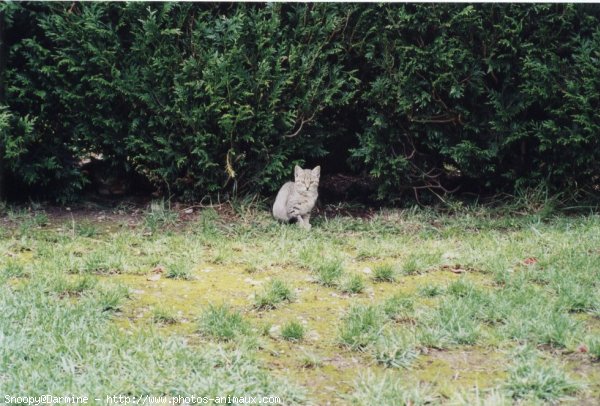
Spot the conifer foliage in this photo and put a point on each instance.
(219, 98)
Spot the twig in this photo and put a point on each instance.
(302, 122)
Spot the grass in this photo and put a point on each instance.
(112, 297)
(593, 347)
(275, 293)
(460, 288)
(222, 323)
(396, 350)
(431, 291)
(73, 347)
(292, 331)
(159, 215)
(456, 323)
(310, 360)
(398, 307)
(353, 284)
(86, 229)
(531, 378)
(13, 269)
(88, 317)
(389, 389)
(161, 315)
(179, 269)
(79, 284)
(361, 326)
(384, 273)
(328, 272)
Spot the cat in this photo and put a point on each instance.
(295, 200)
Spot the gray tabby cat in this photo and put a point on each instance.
(295, 200)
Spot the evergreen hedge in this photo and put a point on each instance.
(218, 98)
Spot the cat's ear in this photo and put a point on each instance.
(317, 171)
(297, 171)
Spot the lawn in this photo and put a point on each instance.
(477, 306)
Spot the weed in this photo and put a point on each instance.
(411, 266)
(531, 378)
(390, 389)
(102, 262)
(161, 315)
(538, 324)
(420, 262)
(274, 294)
(593, 347)
(14, 269)
(74, 286)
(433, 336)
(207, 222)
(361, 326)
(110, 298)
(575, 296)
(477, 397)
(329, 272)
(292, 331)
(40, 219)
(453, 322)
(310, 360)
(159, 215)
(265, 329)
(398, 307)
(353, 284)
(460, 288)
(179, 269)
(384, 273)
(394, 350)
(431, 291)
(86, 229)
(27, 221)
(222, 323)
(458, 318)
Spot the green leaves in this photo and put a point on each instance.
(479, 91)
(224, 98)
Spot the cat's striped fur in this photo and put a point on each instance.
(295, 200)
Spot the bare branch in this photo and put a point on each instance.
(302, 122)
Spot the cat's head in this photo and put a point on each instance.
(307, 179)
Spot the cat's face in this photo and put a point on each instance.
(307, 179)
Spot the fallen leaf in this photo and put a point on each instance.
(530, 261)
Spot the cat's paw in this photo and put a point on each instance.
(304, 225)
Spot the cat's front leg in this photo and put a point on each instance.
(303, 222)
(307, 221)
